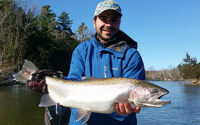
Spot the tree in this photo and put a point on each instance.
(50, 44)
(12, 33)
(82, 34)
(46, 20)
(41, 38)
(190, 69)
(189, 60)
(64, 23)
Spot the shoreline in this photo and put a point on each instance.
(4, 81)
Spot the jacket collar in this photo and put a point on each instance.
(121, 36)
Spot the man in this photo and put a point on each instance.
(110, 53)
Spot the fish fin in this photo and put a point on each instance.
(82, 115)
(86, 118)
(46, 101)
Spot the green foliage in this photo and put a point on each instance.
(64, 23)
(190, 68)
(43, 39)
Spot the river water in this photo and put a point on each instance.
(19, 106)
(183, 110)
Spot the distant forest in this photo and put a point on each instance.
(189, 69)
(48, 41)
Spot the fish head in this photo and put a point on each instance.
(148, 95)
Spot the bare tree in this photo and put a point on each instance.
(83, 34)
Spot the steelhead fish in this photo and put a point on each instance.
(100, 95)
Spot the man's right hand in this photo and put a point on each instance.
(125, 109)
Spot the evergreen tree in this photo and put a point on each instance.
(42, 39)
(64, 23)
(189, 60)
(46, 20)
(50, 44)
(190, 69)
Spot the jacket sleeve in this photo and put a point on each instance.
(77, 68)
(134, 67)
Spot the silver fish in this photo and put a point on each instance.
(100, 95)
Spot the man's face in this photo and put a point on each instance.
(107, 24)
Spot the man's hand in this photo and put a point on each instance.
(125, 108)
(38, 83)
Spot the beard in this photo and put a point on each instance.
(110, 37)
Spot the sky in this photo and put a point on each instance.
(164, 29)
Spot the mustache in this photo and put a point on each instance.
(109, 28)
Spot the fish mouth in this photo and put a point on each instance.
(158, 102)
(155, 101)
(159, 97)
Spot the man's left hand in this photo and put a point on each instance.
(125, 109)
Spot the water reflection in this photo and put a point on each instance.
(19, 106)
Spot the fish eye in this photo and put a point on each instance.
(153, 90)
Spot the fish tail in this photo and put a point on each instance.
(25, 73)
(46, 101)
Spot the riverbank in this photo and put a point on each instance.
(7, 83)
(5, 71)
(196, 81)
(4, 81)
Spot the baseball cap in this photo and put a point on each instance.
(107, 5)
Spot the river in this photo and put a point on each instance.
(183, 110)
(19, 106)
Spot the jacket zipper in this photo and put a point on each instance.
(105, 71)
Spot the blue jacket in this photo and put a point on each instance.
(91, 59)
